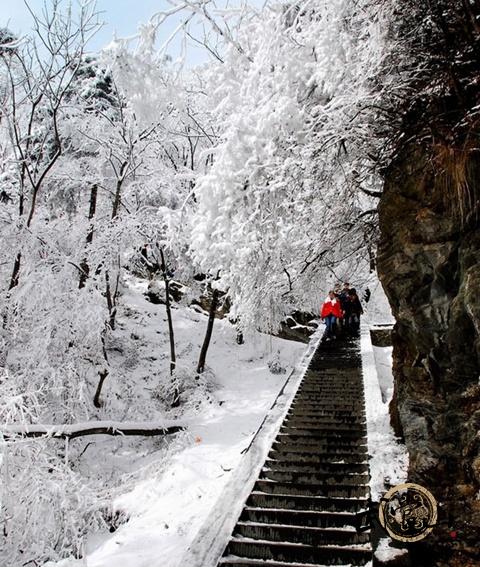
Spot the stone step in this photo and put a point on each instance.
(321, 441)
(352, 381)
(321, 430)
(308, 412)
(328, 388)
(322, 406)
(321, 450)
(287, 454)
(300, 534)
(309, 503)
(351, 397)
(334, 490)
(288, 553)
(333, 449)
(337, 403)
(311, 466)
(309, 518)
(349, 383)
(234, 561)
(339, 364)
(322, 401)
(327, 479)
(319, 394)
(323, 420)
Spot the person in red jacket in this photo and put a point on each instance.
(331, 311)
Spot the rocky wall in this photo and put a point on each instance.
(429, 266)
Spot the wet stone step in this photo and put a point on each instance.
(346, 381)
(308, 535)
(326, 413)
(319, 406)
(320, 436)
(287, 454)
(347, 403)
(339, 490)
(322, 394)
(321, 441)
(326, 420)
(339, 450)
(299, 502)
(347, 378)
(332, 390)
(324, 555)
(312, 466)
(330, 478)
(330, 396)
(337, 399)
(321, 399)
(335, 379)
(351, 396)
(335, 451)
(333, 362)
(322, 431)
(302, 518)
(234, 561)
(350, 403)
(326, 391)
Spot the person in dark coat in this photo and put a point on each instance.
(353, 310)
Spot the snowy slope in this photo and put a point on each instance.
(173, 484)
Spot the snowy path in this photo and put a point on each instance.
(312, 493)
(167, 508)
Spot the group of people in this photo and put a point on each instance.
(341, 311)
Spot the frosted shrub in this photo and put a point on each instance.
(47, 509)
(275, 366)
(193, 389)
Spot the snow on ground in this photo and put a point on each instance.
(177, 490)
(377, 310)
(388, 456)
(172, 491)
(383, 364)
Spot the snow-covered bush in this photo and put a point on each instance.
(45, 516)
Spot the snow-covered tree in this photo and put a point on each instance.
(289, 202)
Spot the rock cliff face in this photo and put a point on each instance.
(429, 265)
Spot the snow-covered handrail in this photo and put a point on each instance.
(70, 431)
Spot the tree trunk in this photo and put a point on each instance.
(89, 428)
(103, 374)
(97, 402)
(208, 334)
(111, 301)
(15, 272)
(118, 190)
(91, 213)
(173, 358)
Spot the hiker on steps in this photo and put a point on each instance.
(353, 310)
(330, 312)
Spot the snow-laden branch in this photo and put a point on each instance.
(144, 428)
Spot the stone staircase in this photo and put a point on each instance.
(310, 503)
